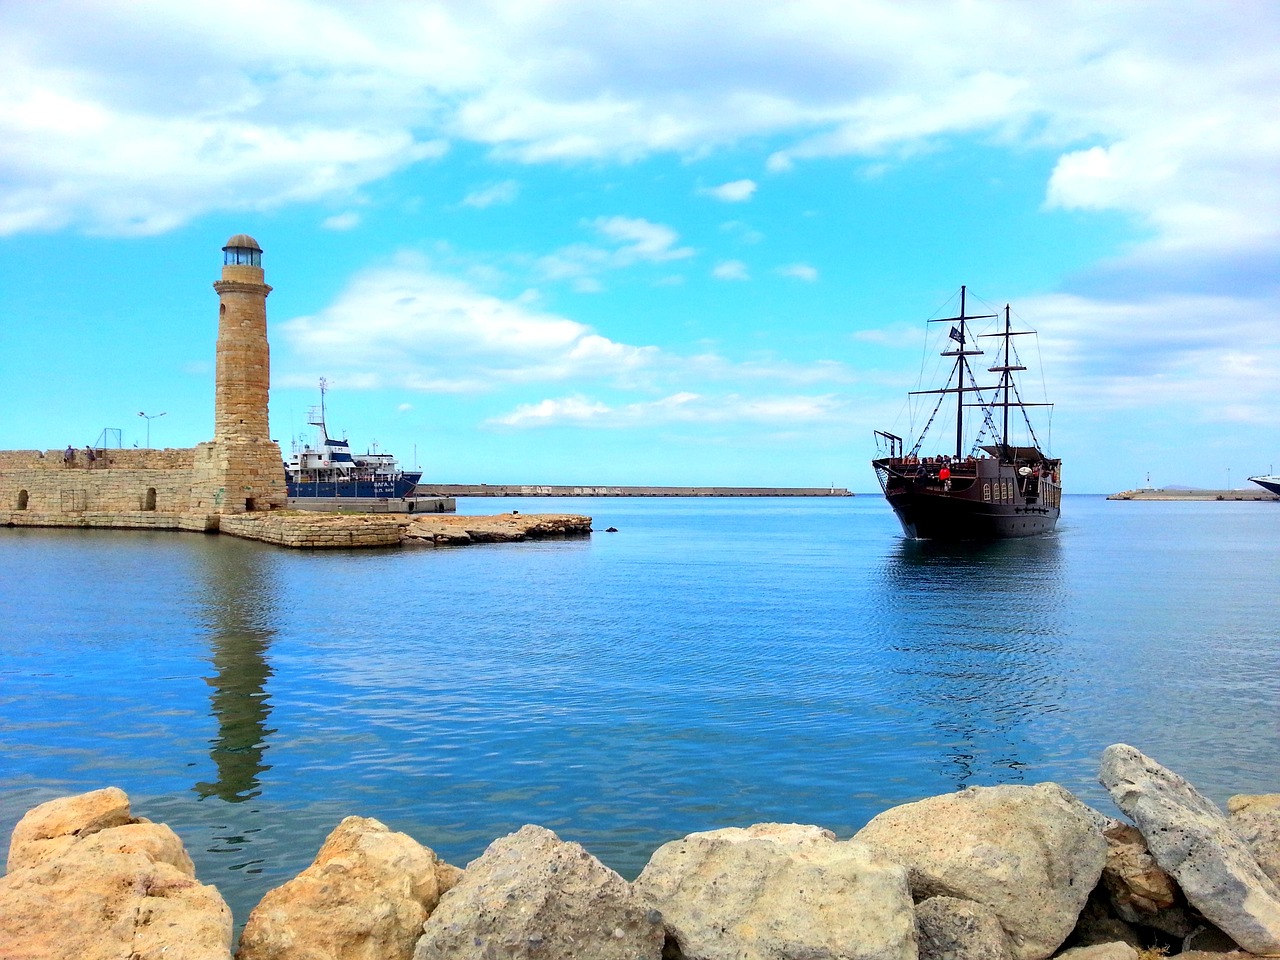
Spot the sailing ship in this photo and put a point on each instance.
(328, 469)
(996, 488)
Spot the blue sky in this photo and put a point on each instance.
(649, 243)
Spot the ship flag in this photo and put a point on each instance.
(957, 336)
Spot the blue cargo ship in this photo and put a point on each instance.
(328, 468)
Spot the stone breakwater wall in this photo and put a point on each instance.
(41, 484)
(312, 531)
(988, 873)
(1245, 494)
(565, 490)
(167, 490)
(315, 531)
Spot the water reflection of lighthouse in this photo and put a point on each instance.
(238, 611)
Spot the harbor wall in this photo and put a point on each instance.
(566, 490)
(153, 483)
(314, 531)
(1149, 493)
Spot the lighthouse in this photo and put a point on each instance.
(243, 357)
(241, 469)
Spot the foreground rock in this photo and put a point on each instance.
(1101, 951)
(776, 891)
(87, 881)
(951, 929)
(534, 895)
(1140, 891)
(1191, 839)
(366, 896)
(49, 830)
(1257, 821)
(1030, 854)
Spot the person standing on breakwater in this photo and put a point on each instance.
(69, 456)
(89, 456)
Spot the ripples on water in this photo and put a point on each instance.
(716, 662)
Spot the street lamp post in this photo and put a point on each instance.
(149, 417)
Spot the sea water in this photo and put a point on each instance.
(712, 663)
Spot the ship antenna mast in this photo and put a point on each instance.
(961, 363)
(1008, 383)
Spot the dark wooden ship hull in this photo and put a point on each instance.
(984, 500)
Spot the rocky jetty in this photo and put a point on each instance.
(988, 873)
(447, 530)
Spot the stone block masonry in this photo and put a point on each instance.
(314, 531)
(41, 484)
(237, 475)
(176, 489)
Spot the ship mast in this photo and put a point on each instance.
(1007, 377)
(1009, 396)
(316, 414)
(960, 334)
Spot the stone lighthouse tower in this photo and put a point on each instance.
(241, 468)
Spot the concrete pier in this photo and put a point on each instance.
(1148, 493)
(565, 490)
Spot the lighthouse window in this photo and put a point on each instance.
(242, 255)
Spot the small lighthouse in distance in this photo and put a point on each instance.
(241, 469)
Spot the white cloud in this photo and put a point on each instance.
(135, 118)
(342, 221)
(641, 240)
(409, 327)
(492, 195)
(685, 407)
(799, 271)
(736, 191)
(1214, 355)
(730, 270)
(630, 241)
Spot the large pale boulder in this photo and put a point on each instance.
(126, 890)
(951, 929)
(534, 895)
(51, 828)
(1031, 854)
(365, 896)
(1256, 818)
(775, 891)
(1191, 839)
